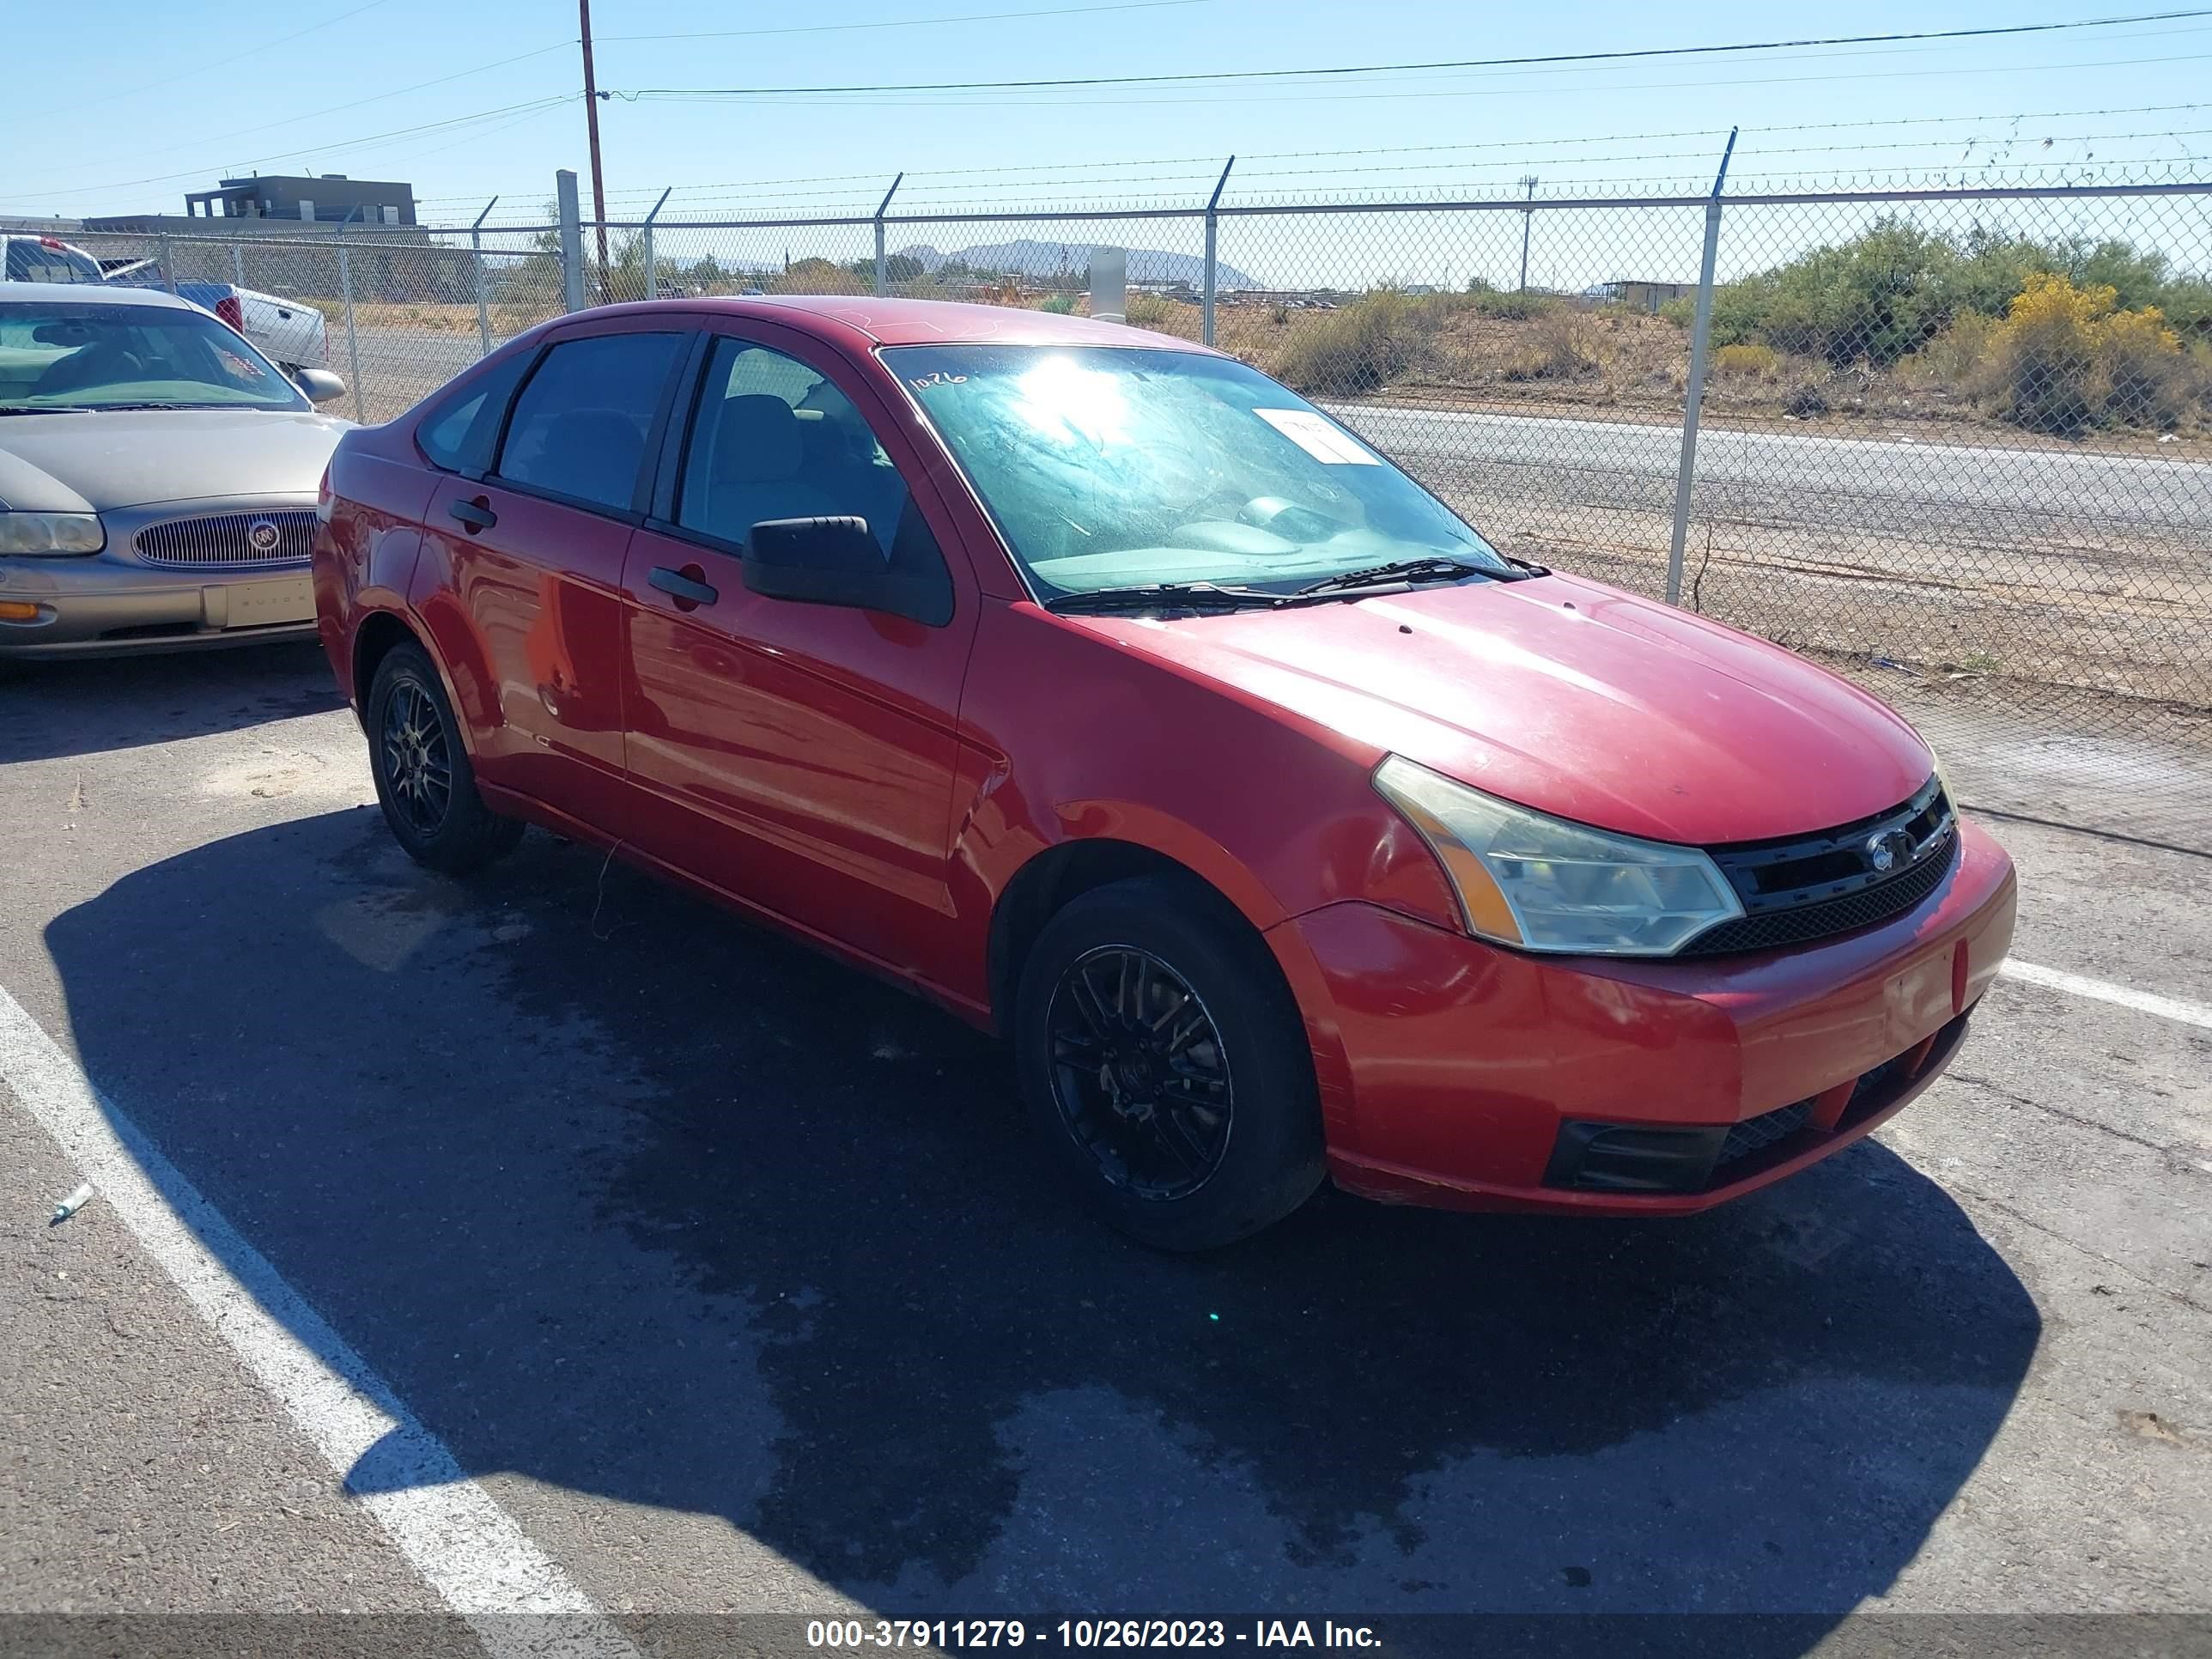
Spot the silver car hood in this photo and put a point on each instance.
(128, 458)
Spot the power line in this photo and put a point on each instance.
(909, 22)
(1481, 92)
(1386, 68)
(335, 143)
(189, 74)
(334, 109)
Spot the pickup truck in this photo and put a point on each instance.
(290, 334)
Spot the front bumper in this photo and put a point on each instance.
(114, 603)
(1452, 1072)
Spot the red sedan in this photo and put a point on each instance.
(1098, 687)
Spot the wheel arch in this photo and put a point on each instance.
(1062, 873)
(374, 640)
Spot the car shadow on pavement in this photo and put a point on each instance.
(626, 1196)
(51, 710)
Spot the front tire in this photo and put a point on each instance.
(1163, 1061)
(425, 782)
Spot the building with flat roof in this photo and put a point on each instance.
(274, 200)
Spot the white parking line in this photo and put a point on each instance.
(2146, 1002)
(464, 1545)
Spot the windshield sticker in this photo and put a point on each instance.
(1313, 433)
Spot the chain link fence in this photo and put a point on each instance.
(1956, 442)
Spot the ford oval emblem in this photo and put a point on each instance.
(263, 536)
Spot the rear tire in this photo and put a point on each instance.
(1164, 1061)
(425, 782)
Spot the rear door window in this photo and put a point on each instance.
(579, 429)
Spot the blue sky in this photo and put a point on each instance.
(154, 91)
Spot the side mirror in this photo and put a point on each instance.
(320, 385)
(839, 561)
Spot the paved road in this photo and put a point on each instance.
(731, 1278)
(2168, 494)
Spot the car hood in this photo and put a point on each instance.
(1572, 697)
(98, 461)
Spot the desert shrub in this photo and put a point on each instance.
(1358, 348)
(1511, 307)
(815, 276)
(1805, 399)
(1745, 361)
(1059, 305)
(1558, 344)
(1161, 315)
(1887, 292)
(2066, 357)
(1954, 359)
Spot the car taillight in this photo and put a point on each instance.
(231, 311)
(323, 496)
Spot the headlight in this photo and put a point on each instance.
(1942, 778)
(51, 532)
(1542, 883)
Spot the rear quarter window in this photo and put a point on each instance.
(457, 432)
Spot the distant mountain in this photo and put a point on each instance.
(1029, 257)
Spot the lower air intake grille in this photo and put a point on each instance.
(1756, 1134)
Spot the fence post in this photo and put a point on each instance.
(353, 337)
(572, 241)
(1686, 476)
(237, 265)
(652, 266)
(883, 264)
(169, 269)
(483, 295)
(1213, 239)
(1527, 220)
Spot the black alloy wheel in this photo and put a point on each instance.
(425, 782)
(418, 759)
(1164, 1063)
(1139, 1072)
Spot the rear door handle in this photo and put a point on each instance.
(476, 515)
(681, 586)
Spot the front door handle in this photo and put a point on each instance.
(685, 589)
(475, 516)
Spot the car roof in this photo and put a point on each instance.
(924, 322)
(91, 294)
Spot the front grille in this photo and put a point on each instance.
(1810, 887)
(227, 539)
(1860, 909)
(1755, 1133)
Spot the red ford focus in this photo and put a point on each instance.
(1099, 688)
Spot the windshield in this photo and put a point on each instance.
(56, 355)
(1110, 466)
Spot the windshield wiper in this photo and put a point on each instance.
(58, 409)
(1187, 596)
(1398, 571)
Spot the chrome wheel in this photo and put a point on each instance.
(418, 768)
(1138, 1072)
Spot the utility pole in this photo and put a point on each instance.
(1528, 215)
(591, 123)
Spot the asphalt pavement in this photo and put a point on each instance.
(724, 1280)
